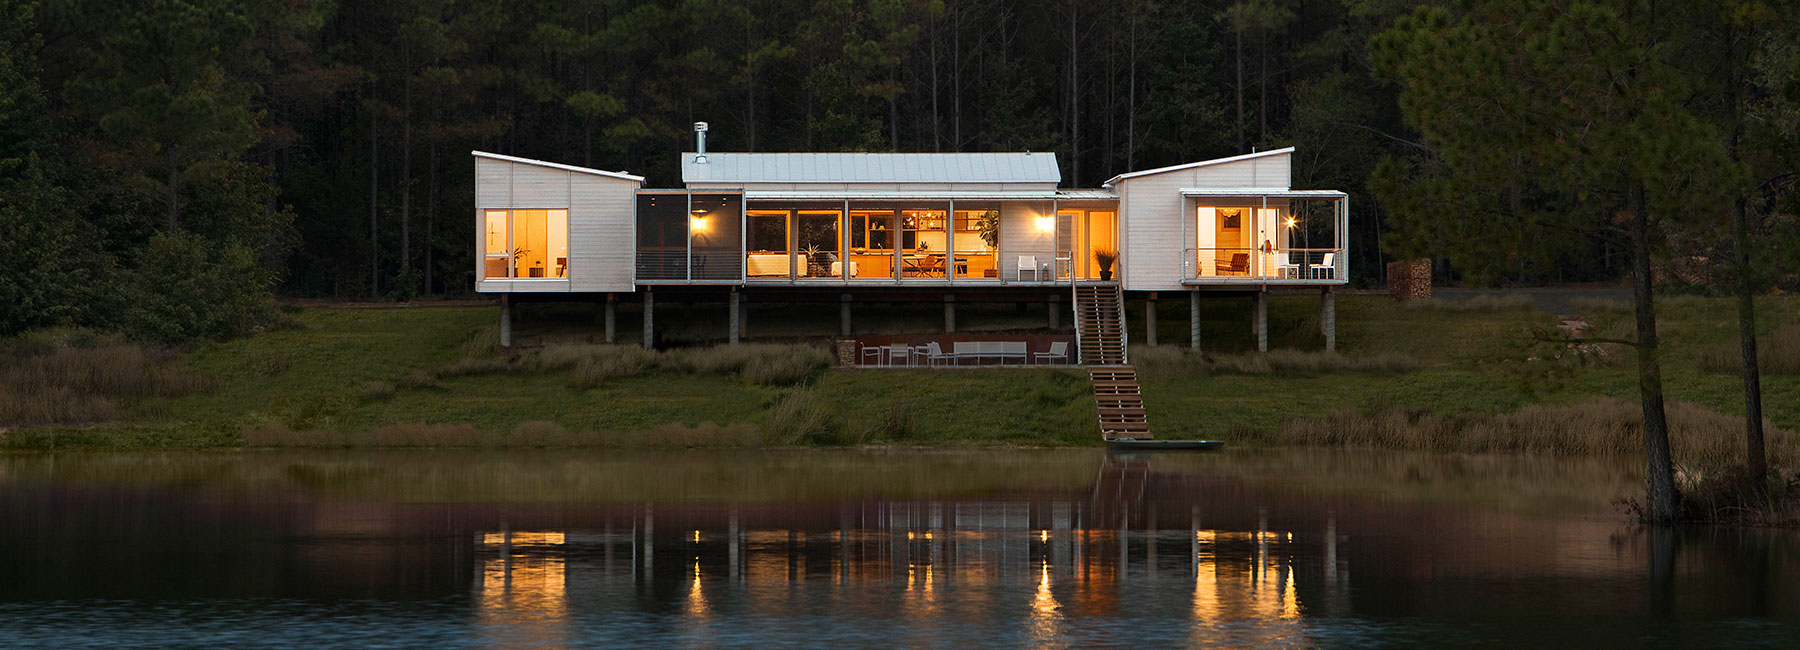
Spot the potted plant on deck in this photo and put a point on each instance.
(1105, 258)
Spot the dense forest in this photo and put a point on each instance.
(167, 164)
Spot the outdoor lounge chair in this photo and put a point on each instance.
(1327, 267)
(932, 353)
(1058, 350)
(1239, 265)
(1013, 350)
(1027, 263)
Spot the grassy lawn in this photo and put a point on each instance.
(350, 369)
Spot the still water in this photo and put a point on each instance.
(1003, 548)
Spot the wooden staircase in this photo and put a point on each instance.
(1120, 403)
(1100, 325)
(1100, 334)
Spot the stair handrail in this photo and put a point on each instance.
(1124, 331)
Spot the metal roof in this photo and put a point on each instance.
(1026, 195)
(1203, 163)
(571, 168)
(1259, 191)
(871, 168)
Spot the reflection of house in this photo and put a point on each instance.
(873, 225)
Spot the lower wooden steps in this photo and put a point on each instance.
(1120, 402)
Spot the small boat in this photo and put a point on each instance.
(1134, 444)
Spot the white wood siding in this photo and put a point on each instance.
(1153, 215)
(1020, 235)
(602, 213)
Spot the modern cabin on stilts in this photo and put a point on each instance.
(957, 227)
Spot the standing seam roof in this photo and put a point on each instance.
(872, 168)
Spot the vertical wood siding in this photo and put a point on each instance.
(601, 214)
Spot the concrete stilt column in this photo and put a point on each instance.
(949, 313)
(506, 320)
(743, 318)
(733, 307)
(649, 319)
(1261, 321)
(1055, 310)
(1194, 319)
(844, 315)
(1328, 318)
(1150, 319)
(612, 318)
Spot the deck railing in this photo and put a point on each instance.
(1250, 263)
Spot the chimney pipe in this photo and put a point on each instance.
(700, 143)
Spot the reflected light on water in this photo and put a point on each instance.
(524, 587)
(1046, 614)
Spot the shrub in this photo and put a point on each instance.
(796, 419)
(185, 288)
(72, 376)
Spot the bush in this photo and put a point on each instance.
(76, 376)
(186, 288)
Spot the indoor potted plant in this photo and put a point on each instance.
(1105, 258)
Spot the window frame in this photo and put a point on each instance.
(506, 254)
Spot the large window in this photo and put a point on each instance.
(662, 228)
(975, 239)
(526, 244)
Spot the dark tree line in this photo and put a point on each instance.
(320, 148)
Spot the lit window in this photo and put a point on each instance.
(526, 244)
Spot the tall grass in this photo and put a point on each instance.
(760, 363)
(1777, 353)
(1508, 302)
(67, 377)
(1698, 437)
(1167, 361)
(531, 434)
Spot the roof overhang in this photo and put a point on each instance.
(770, 195)
(567, 168)
(1271, 192)
(1203, 163)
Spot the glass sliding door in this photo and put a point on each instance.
(1098, 239)
(924, 242)
(819, 243)
(872, 236)
(975, 241)
(768, 256)
(662, 225)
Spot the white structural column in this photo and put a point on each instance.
(1262, 321)
(506, 320)
(611, 317)
(649, 319)
(1194, 318)
(1328, 318)
(733, 307)
(949, 313)
(1150, 319)
(844, 315)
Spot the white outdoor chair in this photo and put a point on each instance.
(1058, 350)
(1287, 268)
(1327, 267)
(1028, 263)
(871, 354)
(900, 352)
(1013, 350)
(932, 353)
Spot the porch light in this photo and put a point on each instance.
(699, 223)
(1046, 224)
(1290, 222)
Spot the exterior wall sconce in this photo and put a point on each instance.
(1046, 224)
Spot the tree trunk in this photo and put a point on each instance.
(406, 167)
(1754, 460)
(174, 192)
(1659, 475)
(374, 191)
(1240, 89)
(431, 183)
(1074, 102)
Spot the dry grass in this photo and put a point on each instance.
(797, 419)
(766, 364)
(1511, 302)
(1167, 361)
(533, 434)
(1698, 437)
(1777, 353)
(67, 377)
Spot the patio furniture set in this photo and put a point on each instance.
(933, 355)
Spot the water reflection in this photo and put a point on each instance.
(1252, 550)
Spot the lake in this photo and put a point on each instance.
(832, 549)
